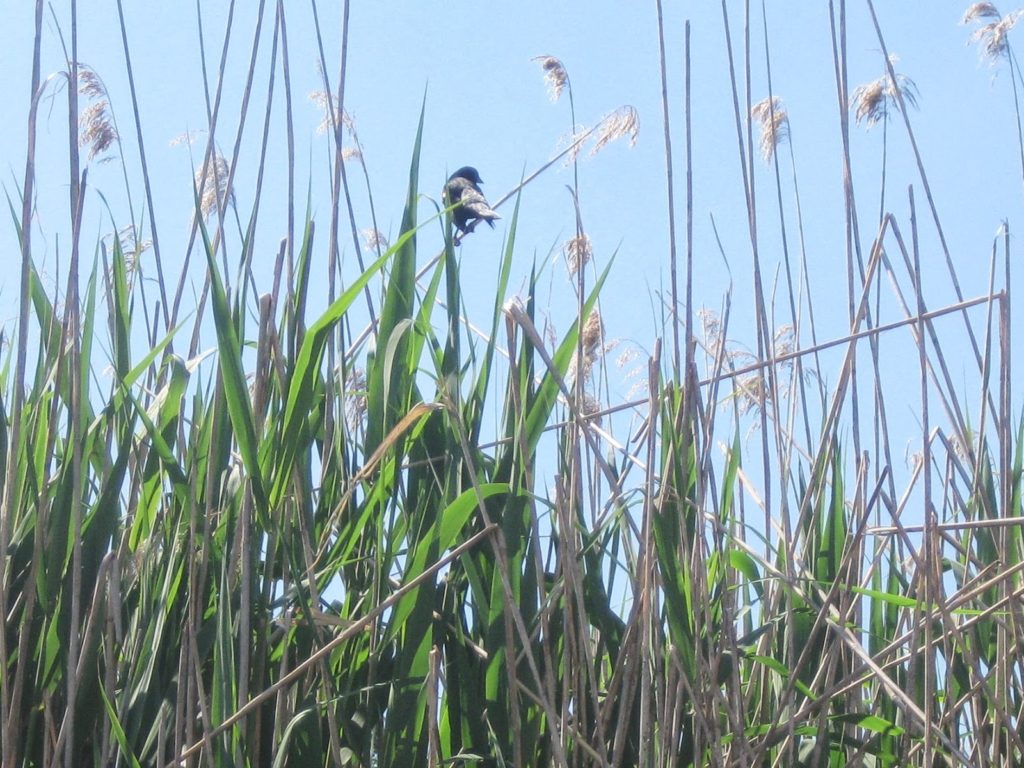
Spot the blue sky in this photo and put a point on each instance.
(486, 105)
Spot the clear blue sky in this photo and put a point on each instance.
(486, 105)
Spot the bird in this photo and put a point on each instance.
(471, 207)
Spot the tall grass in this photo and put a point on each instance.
(319, 544)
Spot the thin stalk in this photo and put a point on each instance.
(795, 315)
(673, 269)
(10, 710)
(688, 112)
(745, 144)
(929, 510)
(290, 134)
(951, 269)
(75, 411)
(147, 185)
(212, 116)
(854, 260)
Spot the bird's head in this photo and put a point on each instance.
(469, 173)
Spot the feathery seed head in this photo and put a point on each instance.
(578, 251)
(589, 406)
(95, 123)
(774, 125)
(131, 247)
(622, 122)
(575, 142)
(712, 326)
(96, 129)
(188, 138)
(992, 37)
(355, 399)
(89, 83)
(555, 76)
(591, 341)
(871, 102)
(754, 389)
(213, 185)
(593, 333)
(580, 368)
(633, 372)
(374, 240)
(324, 102)
(784, 341)
(752, 393)
(980, 11)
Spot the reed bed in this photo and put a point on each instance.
(239, 531)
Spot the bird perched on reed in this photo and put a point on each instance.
(471, 207)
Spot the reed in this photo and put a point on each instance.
(237, 530)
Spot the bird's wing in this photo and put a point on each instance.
(474, 201)
(455, 188)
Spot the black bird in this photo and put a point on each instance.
(463, 191)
